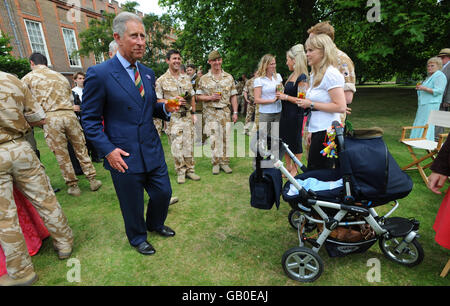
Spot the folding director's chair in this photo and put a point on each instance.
(431, 148)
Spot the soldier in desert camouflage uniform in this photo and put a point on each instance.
(240, 98)
(249, 98)
(174, 84)
(200, 137)
(52, 90)
(19, 165)
(217, 90)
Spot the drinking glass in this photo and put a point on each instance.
(301, 90)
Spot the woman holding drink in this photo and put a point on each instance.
(291, 122)
(267, 90)
(325, 96)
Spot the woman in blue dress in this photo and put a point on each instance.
(429, 94)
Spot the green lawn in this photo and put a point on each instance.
(221, 239)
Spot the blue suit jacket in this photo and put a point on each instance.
(109, 94)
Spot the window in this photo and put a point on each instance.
(71, 46)
(99, 58)
(36, 37)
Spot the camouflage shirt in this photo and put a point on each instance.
(208, 85)
(51, 89)
(17, 108)
(248, 88)
(347, 68)
(239, 87)
(167, 87)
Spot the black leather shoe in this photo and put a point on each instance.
(145, 248)
(166, 231)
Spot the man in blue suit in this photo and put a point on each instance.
(121, 91)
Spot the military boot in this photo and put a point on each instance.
(74, 191)
(95, 184)
(226, 169)
(6, 280)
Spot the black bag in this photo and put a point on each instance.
(265, 187)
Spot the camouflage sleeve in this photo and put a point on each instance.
(233, 90)
(158, 89)
(348, 70)
(245, 89)
(191, 89)
(33, 111)
(26, 80)
(200, 89)
(71, 97)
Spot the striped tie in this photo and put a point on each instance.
(138, 81)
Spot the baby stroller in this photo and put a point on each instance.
(343, 214)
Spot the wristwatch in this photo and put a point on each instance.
(312, 105)
(235, 113)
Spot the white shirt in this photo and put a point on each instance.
(268, 91)
(320, 120)
(79, 92)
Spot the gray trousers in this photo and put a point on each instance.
(269, 123)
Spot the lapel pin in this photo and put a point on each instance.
(148, 77)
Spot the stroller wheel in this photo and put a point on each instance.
(302, 264)
(411, 255)
(294, 218)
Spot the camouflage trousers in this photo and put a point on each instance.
(19, 165)
(63, 126)
(181, 134)
(256, 125)
(217, 130)
(249, 116)
(241, 104)
(158, 125)
(200, 137)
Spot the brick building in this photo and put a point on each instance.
(52, 27)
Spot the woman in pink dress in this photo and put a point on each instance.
(33, 228)
(437, 179)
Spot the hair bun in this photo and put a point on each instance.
(297, 49)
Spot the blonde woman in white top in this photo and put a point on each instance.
(266, 94)
(325, 96)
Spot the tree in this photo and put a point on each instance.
(408, 33)
(97, 37)
(8, 63)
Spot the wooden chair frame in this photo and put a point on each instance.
(446, 269)
(438, 118)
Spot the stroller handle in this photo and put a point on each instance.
(293, 157)
(339, 128)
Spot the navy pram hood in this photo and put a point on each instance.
(375, 175)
